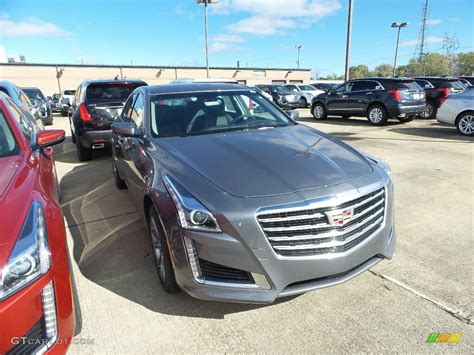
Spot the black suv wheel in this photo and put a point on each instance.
(377, 115)
(430, 111)
(319, 111)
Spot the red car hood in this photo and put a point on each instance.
(8, 168)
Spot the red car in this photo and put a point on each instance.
(36, 299)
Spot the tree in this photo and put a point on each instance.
(383, 70)
(465, 63)
(360, 71)
(431, 64)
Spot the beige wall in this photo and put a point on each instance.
(44, 76)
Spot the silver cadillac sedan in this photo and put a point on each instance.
(244, 204)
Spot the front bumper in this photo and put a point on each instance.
(23, 315)
(284, 275)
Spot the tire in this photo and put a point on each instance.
(119, 182)
(161, 253)
(405, 119)
(303, 102)
(377, 115)
(346, 116)
(465, 124)
(430, 111)
(83, 154)
(73, 137)
(319, 111)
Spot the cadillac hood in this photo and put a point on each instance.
(270, 161)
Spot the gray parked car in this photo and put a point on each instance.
(307, 92)
(22, 101)
(242, 203)
(41, 103)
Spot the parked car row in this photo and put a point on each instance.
(381, 99)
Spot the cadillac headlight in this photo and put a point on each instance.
(192, 213)
(30, 257)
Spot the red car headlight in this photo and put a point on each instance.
(30, 257)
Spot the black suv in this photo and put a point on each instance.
(96, 105)
(376, 98)
(437, 90)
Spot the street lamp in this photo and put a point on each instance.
(399, 26)
(298, 47)
(206, 2)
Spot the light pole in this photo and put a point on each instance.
(298, 47)
(348, 41)
(206, 2)
(399, 26)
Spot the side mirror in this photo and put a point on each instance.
(126, 129)
(293, 114)
(49, 138)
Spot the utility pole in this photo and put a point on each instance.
(206, 2)
(348, 41)
(298, 47)
(399, 26)
(450, 44)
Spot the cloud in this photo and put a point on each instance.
(270, 18)
(428, 40)
(184, 12)
(433, 21)
(226, 42)
(31, 27)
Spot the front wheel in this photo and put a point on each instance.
(303, 102)
(319, 111)
(119, 182)
(161, 253)
(465, 124)
(377, 115)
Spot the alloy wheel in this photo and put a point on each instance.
(318, 111)
(376, 115)
(466, 124)
(158, 249)
(428, 112)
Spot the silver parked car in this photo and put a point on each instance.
(306, 91)
(458, 110)
(242, 203)
(41, 104)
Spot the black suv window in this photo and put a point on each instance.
(110, 91)
(364, 85)
(424, 84)
(345, 87)
(405, 85)
(127, 109)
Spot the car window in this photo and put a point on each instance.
(8, 143)
(69, 92)
(406, 85)
(292, 87)
(25, 124)
(307, 87)
(127, 109)
(454, 84)
(77, 96)
(212, 112)
(360, 86)
(34, 94)
(24, 98)
(136, 115)
(345, 87)
(110, 91)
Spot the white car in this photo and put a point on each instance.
(67, 98)
(306, 91)
(458, 110)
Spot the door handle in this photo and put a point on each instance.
(369, 93)
(344, 96)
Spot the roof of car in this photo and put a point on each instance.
(111, 81)
(396, 78)
(193, 87)
(436, 78)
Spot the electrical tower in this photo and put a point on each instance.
(420, 46)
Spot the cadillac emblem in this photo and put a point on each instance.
(340, 217)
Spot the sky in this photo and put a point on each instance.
(257, 33)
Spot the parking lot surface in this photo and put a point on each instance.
(425, 288)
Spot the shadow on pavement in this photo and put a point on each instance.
(112, 248)
(351, 121)
(435, 130)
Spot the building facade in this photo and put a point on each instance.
(51, 78)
